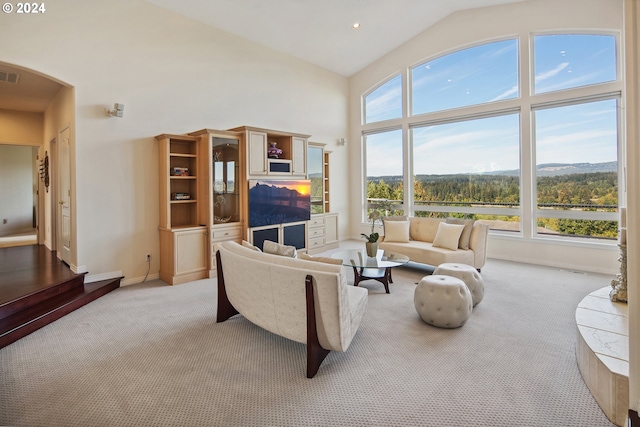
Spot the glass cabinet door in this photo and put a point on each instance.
(314, 169)
(226, 197)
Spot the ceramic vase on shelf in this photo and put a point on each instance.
(372, 248)
(273, 151)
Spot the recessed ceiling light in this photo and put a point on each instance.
(356, 25)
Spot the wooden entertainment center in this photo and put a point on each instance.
(204, 183)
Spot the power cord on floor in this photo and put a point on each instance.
(148, 268)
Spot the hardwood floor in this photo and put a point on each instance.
(36, 289)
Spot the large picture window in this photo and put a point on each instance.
(468, 166)
(577, 168)
(384, 166)
(532, 153)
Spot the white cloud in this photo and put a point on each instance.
(583, 80)
(388, 100)
(551, 73)
(505, 94)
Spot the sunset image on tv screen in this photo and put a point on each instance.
(279, 201)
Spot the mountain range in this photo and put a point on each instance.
(545, 169)
(555, 169)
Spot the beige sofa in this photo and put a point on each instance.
(302, 300)
(422, 232)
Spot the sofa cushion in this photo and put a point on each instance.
(396, 231)
(277, 249)
(324, 259)
(426, 253)
(396, 218)
(423, 229)
(448, 236)
(463, 243)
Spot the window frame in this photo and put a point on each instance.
(580, 215)
(525, 104)
(532, 80)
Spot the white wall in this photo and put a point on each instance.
(470, 27)
(60, 114)
(174, 75)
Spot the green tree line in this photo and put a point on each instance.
(587, 191)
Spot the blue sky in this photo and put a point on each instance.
(472, 76)
(486, 73)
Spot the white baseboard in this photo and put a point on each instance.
(79, 269)
(586, 268)
(90, 278)
(135, 280)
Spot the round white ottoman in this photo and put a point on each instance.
(443, 301)
(468, 274)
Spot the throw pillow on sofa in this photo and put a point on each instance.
(396, 231)
(385, 219)
(448, 236)
(250, 246)
(277, 249)
(463, 243)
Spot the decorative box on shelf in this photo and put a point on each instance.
(178, 171)
(181, 196)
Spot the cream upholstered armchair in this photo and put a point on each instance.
(303, 300)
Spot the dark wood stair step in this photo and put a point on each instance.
(31, 318)
(74, 284)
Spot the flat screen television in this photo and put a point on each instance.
(279, 201)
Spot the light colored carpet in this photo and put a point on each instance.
(152, 355)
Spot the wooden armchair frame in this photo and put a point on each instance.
(315, 352)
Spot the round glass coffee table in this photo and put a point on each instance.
(371, 268)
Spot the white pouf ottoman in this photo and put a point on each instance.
(468, 274)
(443, 301)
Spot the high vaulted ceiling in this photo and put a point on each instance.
(316, 31)
(320, 31)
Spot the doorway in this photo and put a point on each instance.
(35, 105)
(19, 186)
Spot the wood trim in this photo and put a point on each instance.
(632, 127)
(315, 353)
(225, 308)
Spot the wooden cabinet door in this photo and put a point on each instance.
(190, 251)
(331, 229)
(299, 156)
(257, 152)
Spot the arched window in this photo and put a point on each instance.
(565, 61)
(472, 76)
(385, 102)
